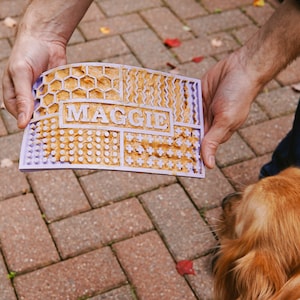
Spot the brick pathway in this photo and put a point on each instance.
(112, 235)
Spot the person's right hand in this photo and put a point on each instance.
(228, 90)
(29, 58)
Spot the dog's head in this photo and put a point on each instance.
(259, 234)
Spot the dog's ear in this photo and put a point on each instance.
(258, 275)
(242, 273)
(291, 289)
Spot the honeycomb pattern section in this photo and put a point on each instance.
(108, 116)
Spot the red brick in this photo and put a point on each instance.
(243, 34)
(245, 173)
(6, 31)
(122, 293)
(212, 216)
(196, 70)
(279, 102)
(10, 8)
(96, 50)
(58, 193)
(256, 115)
(202, 46)
(10, 146)
(204, 192)
(76, 278)
(93, 13)
(126, 59)
(9, 121)
(264, 137)
(202, 282)
(7, 291)
(116, 25)
(290, 74)
(190, 9)
(108, 186)
(176, 218)
(151, 269)
(25, 239)
(213, 5)
(3, 130)
(12, 182)
(219, 22)
(233, 151)
(95, 228)
(5, 49)
(118, 7)
(149, 49)
(165, 23)
(260, 14)
(76, 37)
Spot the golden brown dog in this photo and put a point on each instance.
(259, 255)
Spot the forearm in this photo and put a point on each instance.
(53, 19)
(275, 45)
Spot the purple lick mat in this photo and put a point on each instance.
(115, 117)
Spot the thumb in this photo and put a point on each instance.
(210, 143)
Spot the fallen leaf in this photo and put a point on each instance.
(170, 65)
(186, 28)
(259, 3)
(105, 30)
(296, 87)
(10, 22)
(216, 42)
(6, 163)
(197, 59)
(185, 267)
(217, 10)
(172, 42)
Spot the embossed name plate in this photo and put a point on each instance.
(115, 117)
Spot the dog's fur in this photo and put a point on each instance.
(259, 231)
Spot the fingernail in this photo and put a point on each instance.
(211, 161)
(21, 119)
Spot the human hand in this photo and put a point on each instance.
(228, 90)
(29, 58)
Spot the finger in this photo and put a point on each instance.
(22, 82)
(210, 143)
(9, 94)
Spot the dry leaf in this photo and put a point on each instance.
(197, 59)
(10, 22)
(105, 30)
(258, 2)
(185, 267)
(172, 42)
(6, 163)
(186, 28)
(216, 42)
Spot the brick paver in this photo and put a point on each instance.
(98, 227)
(13, 182)
(179, 222)
(6, 288)
(151, 269)
(25, 239)
(109, 235)
(76, 278)
(56, 198)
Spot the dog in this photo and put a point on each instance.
(259, 241)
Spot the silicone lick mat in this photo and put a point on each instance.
(115, 117)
